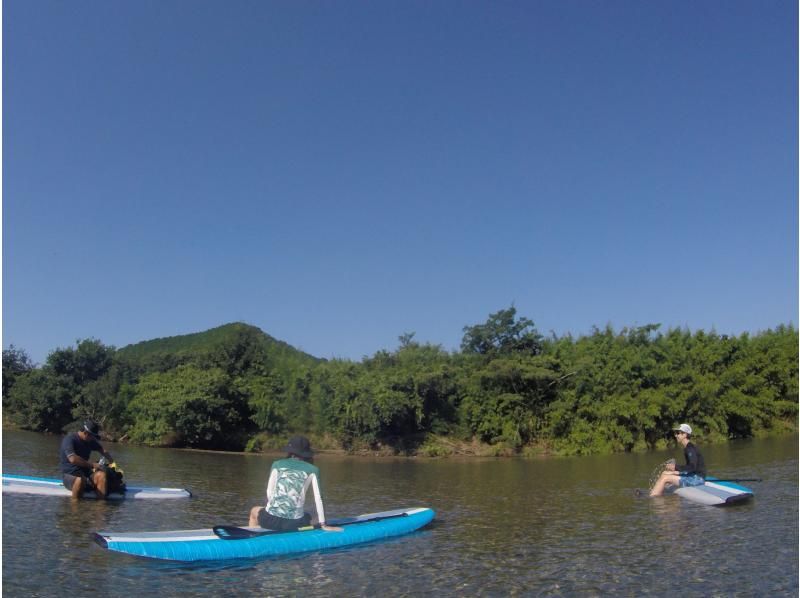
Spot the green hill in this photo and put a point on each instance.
(230, 339)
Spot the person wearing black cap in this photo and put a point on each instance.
(78, 473)
(691, 474)
(289, 479)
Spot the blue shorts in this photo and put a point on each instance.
(692, 480)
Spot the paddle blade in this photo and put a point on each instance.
(231, 532)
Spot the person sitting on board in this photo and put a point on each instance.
(77, 472)
(691, 474)
(289, 479)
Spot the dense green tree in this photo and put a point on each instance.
(502, 333)
(301, 413)
(105, 401)
(41, 401)
(507, 398)
(344, 394)
(631, 388)
(265, 396)
(184, 407)
(241, 352)
(87, 362)
(508, 386)
(15, 363)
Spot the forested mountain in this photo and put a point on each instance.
(507, 390)
(162, 354)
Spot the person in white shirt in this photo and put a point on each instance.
(289, 480)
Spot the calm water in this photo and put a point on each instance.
(557, 526)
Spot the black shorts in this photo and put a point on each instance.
(69, 480)
(280, 524)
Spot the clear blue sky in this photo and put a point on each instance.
(340, 173)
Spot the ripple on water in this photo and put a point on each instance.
(560, 527)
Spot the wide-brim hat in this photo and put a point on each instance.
(300, 446)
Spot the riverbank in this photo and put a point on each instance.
(428, 446)
(433, 446)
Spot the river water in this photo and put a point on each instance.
(524, 527)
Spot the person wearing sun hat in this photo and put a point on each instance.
(77, 472)
(289, 480)
(691, 474)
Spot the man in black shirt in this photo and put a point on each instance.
(78, 473)
(691, 474)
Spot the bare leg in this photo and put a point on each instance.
(666, 478)
(77, 488)
(253, 522)
(100, 481)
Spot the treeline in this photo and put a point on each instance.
(508, 389)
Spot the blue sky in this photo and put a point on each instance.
(340, 173)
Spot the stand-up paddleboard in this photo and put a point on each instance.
(21, 484)
(224, 542)
(718, 493)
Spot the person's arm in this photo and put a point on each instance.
(273, 480)
(99, 448)
(74, 458)
(320, 508)
(80, 461)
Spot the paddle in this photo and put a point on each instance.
(231, 532)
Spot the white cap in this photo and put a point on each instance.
(684, 428)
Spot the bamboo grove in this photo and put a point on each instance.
(508, 390)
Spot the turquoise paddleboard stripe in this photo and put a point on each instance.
(732, 485)
(28, 478)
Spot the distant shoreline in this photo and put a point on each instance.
(460, 450)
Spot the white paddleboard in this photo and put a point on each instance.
(20, 484)
(716, 493)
